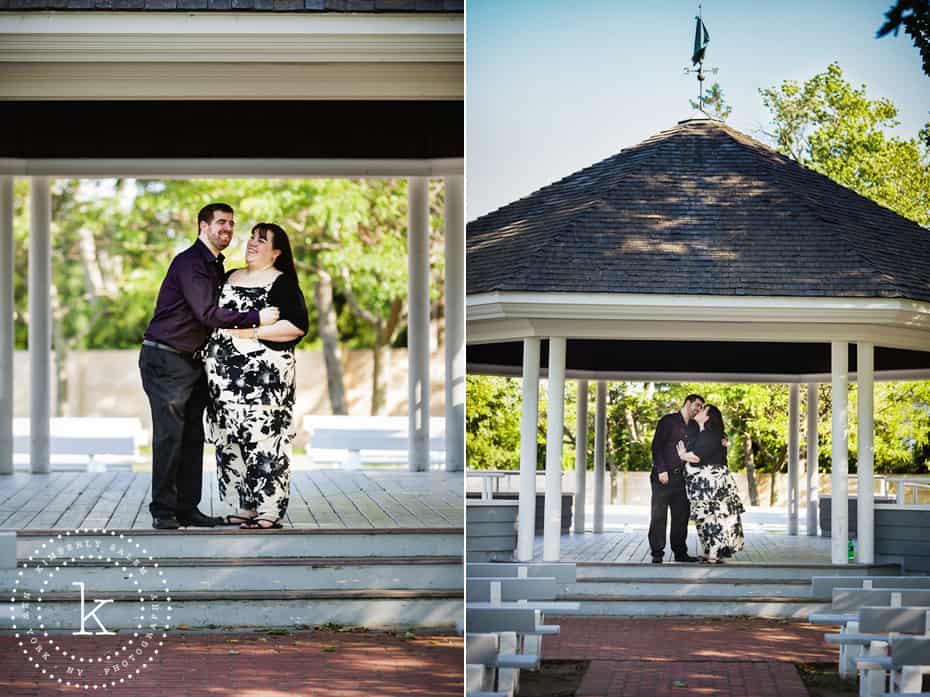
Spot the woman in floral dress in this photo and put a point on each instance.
(715, 503)
(251, 378)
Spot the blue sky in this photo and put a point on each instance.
(553, 86)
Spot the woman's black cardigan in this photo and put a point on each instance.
(709, 448)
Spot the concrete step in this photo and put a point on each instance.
(234, 543)
(671, 606)
(706, 587)
(207, 609)
(256, 574)
(228, 577)
(730, 569)
(726, 590)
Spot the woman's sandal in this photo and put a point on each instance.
(712, 561)
(256, 524)
(235, 519)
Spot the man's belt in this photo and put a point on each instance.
(165, 347)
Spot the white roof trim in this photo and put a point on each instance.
(900, 323)
(231, 168)
(230, 37)
(248, 56)
(671, 376)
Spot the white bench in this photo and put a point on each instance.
(908, 660)
(822, 586)
(352, 440)
(876, 628)
(78, 443)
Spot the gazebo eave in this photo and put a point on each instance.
(503, 316)
(503, 370)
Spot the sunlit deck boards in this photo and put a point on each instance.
(631, 546)
(355, 499)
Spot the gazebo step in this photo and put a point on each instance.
(730, 570)
(258, 574)
(382, 609)
(672, 605)
(232, 543)
(714, 588)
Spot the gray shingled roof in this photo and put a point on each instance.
(699, 209)
(444, 6)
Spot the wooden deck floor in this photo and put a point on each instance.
(355, 499)
(631, 546)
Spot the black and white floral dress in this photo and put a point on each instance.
(716, 507)
(249, 416)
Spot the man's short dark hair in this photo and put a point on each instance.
(206, 213)
(691, 397)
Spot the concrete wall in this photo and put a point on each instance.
(107, 383)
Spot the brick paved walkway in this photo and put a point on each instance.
(301, 664)
(719, 658)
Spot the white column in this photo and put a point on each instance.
(455, 323)
(865, 504)
(552, 526)
(529, 421)
(794, 442)
(813, 465)
(7, 335)
(418, 392)
(839, 479)
(40, 322)
(581, 455)
(600, 454)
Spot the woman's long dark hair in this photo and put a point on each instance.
(714, 418)
(285, 261)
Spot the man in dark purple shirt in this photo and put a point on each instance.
(186, 311)
(668, 481)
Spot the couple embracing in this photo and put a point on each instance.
(690, 477)
(223, 343)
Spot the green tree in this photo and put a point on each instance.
(714, 103)
(914, 16)
(836, 129)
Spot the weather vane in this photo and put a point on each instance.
(701, 39)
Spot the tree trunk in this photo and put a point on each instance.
(380, 375)
(631, 424)
(750, 469)
(385, 333)
(60, 352)
(772, 497)
(329, 336)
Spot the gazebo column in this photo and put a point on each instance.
(865, 504)
(581, 455)
(813, 461)
(529, 421)
(794, 440)
(839, 479)
(7, 334)
(600, 454)
(40, 322)
(418, 386)
(455, 323)
(552, 529)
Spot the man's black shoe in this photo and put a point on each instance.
(165, 522)
(198, 520)
(657, 560)
(685, 557)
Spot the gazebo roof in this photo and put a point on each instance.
(699, 209)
